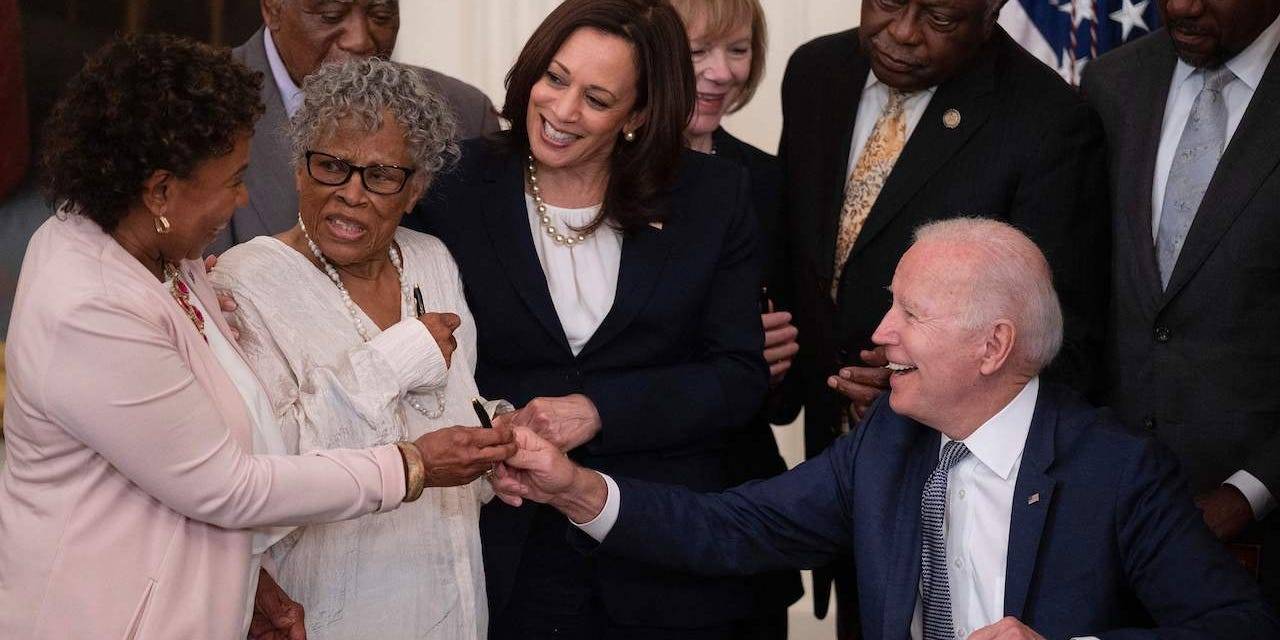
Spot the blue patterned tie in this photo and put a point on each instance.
(1194, 162)
(935, 591)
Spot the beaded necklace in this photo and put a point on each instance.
(354, 312)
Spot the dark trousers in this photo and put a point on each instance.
(594, 625)
(556, 600)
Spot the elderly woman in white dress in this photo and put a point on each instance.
(347, 319)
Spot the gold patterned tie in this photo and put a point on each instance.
(867, 178)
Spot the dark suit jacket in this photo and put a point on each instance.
(1113, 528)
(1197, 363)
(675, 369)
(273, 195)
(754, 451)
(1027, 150)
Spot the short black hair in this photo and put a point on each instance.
(140, 104)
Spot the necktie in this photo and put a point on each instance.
(888, 136)
(1194, 162)
(935, 591)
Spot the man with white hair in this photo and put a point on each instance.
(296, 38)
(977, 501)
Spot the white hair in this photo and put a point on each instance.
(1011, 279)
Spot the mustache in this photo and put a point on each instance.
(1187, 26)
(886, 46)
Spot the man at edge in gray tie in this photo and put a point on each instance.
(1194, 349)
(977, 500)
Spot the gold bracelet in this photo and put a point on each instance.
(415, 470)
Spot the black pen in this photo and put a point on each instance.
(419, 307)
(481, 413)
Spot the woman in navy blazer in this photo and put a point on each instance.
(669, 372)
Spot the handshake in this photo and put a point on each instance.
(523, 455)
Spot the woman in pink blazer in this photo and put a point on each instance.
(137, 494)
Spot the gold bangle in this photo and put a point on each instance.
(415, 470)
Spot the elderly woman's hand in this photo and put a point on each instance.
(442, 326)
(567, 422)
(457, 455)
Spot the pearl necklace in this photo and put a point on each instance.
(355, 312)
(544, 219)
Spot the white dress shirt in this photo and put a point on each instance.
(289, 92)
(875, 95)
(979, 509)
(1248, 67)
(583, 278)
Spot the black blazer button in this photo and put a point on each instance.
(1149, 423)
(1162, 334)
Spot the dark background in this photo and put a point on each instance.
(55, 38)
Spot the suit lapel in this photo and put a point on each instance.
(1032, 499)
(1154, 71)
(932, 144)
(845, 92)
(1246, 162)
(506, 221)
(903, 589)
(644, 254)
(270, 177)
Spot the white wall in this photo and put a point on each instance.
(477, 40)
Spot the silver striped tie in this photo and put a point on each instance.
(935, 591)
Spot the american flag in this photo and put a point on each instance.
(1067, 34)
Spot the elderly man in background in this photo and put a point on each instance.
(978, 501)
(297, 37)
(1194, 358)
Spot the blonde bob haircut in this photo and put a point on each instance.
(718, 19)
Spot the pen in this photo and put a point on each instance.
(419, 307)
(481, 413)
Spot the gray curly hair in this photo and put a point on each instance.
(365, 89)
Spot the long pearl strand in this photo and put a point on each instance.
(354, 312)
(544, 218)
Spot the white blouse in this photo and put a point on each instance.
(266, 434)
(412, 573)
(582, 278)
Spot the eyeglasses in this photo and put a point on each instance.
(382, 179)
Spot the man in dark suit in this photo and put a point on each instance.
(297, 37)
(1190, 116)
(928, 110)
(978, 501)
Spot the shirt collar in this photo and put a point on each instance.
(1248, 65)
(998, 443)
(874, 83)
(289, 92)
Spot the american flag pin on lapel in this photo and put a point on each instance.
(1033, 498)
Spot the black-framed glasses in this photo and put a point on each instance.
(382, 179)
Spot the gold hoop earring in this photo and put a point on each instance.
(629, 136)
(162, 225)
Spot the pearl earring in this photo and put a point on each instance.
(629, 136)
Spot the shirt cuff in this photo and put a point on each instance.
(412, 353)
(1260, 499)
(600, 526)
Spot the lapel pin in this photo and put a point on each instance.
(1034, 498)
(951, 119)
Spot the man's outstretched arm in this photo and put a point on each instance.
(795, 520)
